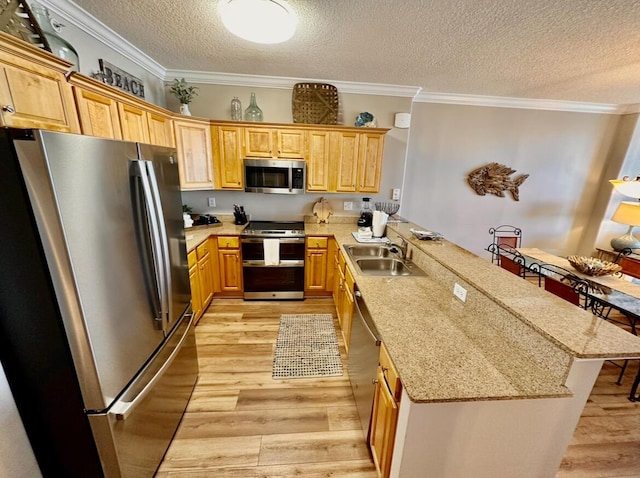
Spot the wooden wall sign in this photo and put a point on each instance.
(495, 178)
(114, 76)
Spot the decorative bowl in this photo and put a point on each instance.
(593, 267)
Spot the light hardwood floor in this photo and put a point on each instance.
(241, 423)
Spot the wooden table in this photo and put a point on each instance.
(619, 292)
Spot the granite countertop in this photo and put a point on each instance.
(510, 340)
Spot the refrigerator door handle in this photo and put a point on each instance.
(162, 232)
(122, 409)
(156, 244)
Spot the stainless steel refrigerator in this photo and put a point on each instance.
(96, 333)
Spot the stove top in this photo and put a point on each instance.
(274, 229)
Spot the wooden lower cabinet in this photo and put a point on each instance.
(384, 418)
(230, 266)
(318, 272)
(206, 272)
(194, 281)
(343, 296)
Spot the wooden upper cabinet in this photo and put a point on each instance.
(134, 123)
(345, 161)
(108, 112)
(339, 158)
(318, 160)
(290, 143)
(34, 92)
(227, 157)
(258, 142)
(161, 130)
(370, 162)
(98, 114)
(263, 142)
(193, 140)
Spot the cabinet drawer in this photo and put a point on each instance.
(192, 259)
(226, 242)
(390, 373)
(317, 242)
(203, 249)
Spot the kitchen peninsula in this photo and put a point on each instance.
(493, 386)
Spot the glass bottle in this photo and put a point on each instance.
(236, 109)
(59, 46)
(253, 112)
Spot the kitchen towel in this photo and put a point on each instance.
(271, 252)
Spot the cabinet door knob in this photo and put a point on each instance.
(9, 109)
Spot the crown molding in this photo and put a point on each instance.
(232, 79)
(89, 24)
(522, 103)
(86, 22)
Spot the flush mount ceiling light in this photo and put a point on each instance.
(259, 21)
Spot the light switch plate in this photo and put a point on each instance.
(395, 194)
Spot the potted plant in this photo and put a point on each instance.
(185, 94)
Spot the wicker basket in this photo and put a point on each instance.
(17, 19)
(315, 103)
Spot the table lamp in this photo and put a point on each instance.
(627, 213)
(628, 187)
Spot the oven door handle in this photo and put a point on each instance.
(285, 263)
(286, 240)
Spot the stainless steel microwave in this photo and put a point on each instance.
(279, 176)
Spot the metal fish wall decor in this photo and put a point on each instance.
(495, 178)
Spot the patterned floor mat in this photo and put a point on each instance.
(306, 347)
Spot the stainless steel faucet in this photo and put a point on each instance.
(402, 247)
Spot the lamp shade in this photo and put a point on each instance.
(627, 213)
(628, 188)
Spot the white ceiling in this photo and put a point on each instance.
(573, 50)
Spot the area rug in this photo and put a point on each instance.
(306, 347)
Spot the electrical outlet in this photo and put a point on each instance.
(212, 202)
(395, 194)
(460, 292)
(348, 205)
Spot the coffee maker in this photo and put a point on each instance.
(366, 214)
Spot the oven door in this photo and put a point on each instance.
(284, 281)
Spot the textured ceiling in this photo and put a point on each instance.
(575, 50)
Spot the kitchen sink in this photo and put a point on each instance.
(379, 260)
(368, 251)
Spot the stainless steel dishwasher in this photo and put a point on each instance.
(364, 352)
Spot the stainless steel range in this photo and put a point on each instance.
(273, 260)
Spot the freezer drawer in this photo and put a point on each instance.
(138, 435)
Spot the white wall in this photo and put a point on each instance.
(564, 154)
(90, 50)
(213, 101)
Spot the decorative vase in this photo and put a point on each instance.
(184, 109)
(253, 112)
(58, 45)
(236, 109)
